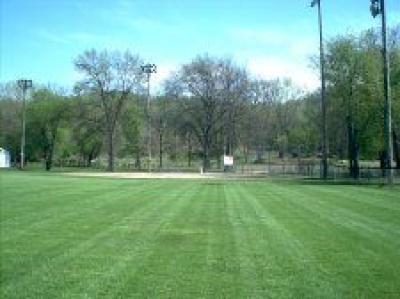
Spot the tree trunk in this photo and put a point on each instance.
(260, 153)
(110, 150)
(90, 158)
(356, 161)
(396, 150)
(206, 153)
(353, 152)
(161, 149)
(350, 149)
(246, 154)
(382, 159)
(48, 164)
(137, 162)
(219, 148)
(189, 153)
(49, 159)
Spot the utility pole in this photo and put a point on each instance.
(324, 127)
(378, 8)
(149, 69)
(24, 84)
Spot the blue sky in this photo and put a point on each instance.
(41, 38)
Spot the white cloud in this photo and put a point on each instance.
(282, 37)
(267, 54)
(147, 25)
(258, 67)
(273, 53)
(164, 70)
(303, 48)
(271, 68)
(274, 37)
(126, 14)
(50, 37)
(83, 39)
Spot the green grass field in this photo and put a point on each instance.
(66, 237)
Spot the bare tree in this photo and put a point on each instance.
(210, 88)
(271, 115)
(196, 82)
(112, 77)
(235, 92)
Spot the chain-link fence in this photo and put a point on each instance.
(313, 170)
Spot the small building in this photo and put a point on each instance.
(5, 158)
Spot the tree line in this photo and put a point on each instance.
(209, 107)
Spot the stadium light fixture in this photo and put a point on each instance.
(375, 8)
(378, 7)
(149, 69)
(314, 3)
(24, 85)
(324, 128)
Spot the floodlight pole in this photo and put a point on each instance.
(378, 7)
(324, 127)
(24, 84)
(149, 69)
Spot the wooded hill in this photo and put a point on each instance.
(209, 107)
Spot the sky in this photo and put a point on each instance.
(39, 39)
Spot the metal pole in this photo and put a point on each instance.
(24, 84)
(148, 69)
(324, 127)
(23, 127)
(148, 120)
(387, 113)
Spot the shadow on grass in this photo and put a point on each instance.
(347, 182)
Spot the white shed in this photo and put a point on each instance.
(5, 158)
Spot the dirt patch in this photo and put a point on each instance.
(146, 175)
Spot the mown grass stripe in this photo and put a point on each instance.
(62, 250)
(347, 243)
(64, 237)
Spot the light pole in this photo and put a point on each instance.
(149, 69)
(324, 127)
(24, 84)
(378, 8)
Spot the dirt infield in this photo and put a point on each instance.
(146, 175)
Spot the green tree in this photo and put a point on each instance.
(45, 114)
(131, 126)
(111, 77)
(87, 127)
(10, 120)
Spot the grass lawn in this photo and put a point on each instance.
(67, 237)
